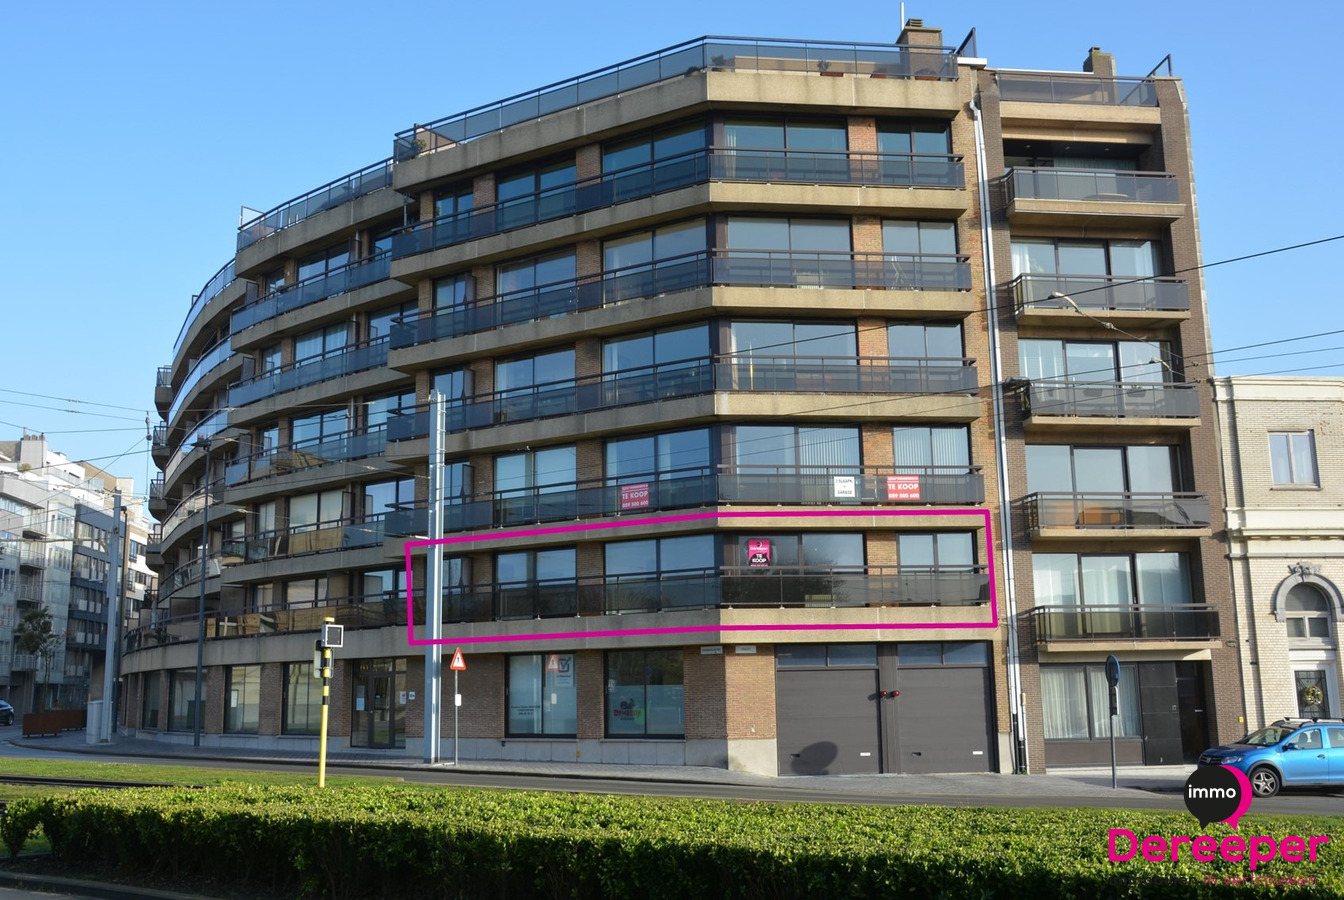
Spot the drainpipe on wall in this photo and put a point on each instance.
(1005, 506)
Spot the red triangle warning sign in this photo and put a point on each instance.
(458, 664)
(553, 663)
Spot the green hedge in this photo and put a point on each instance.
(458, 843)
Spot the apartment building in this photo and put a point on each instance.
(1285, 522)
(809, 407)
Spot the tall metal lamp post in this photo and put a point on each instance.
(202, 442)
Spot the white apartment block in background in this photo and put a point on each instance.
(1283, 461)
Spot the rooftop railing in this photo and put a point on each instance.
(1116, 511)
(687, 378)
(332, 364)
(1136, 622)
(1171, 400)
(1093, 185)
(747, 268)
(1100, 293)
(217, 283)
(333, 193)
(1043, 87)
(319, 287)
(712, 52)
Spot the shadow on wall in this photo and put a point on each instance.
(814, 759)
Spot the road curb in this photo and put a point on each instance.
(29, 881)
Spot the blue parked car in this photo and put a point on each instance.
(6, 713)
(1289, 753)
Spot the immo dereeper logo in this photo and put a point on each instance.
(1213, 794)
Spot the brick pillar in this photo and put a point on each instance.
(482, 689)
(213, 720)
(483, 190)
(705, 693)
(590, 695)
(271, 701)
(588, 162)
(426, 206)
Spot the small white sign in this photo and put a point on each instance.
(843, 486)
(457, 699)
(412, 695)
(712, 650)
(746, 649)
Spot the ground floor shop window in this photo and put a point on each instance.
(378, 711)
(303, 700)
(1076, 703)
(149, 701)
(242, 699)
(541, 695)
(182, 700)
(646, 696)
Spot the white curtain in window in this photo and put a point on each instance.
(1127, 722)
(1064, 703)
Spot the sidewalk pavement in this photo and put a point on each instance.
(1082, 783)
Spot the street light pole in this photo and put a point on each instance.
(200, 611)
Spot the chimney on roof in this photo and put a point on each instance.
(1098, 63)
(914, 34)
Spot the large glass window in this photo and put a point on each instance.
(454, 200)
(382, 496)
(242, 699)
(651, 148)
(775, 340)
(454, 291)
(149, 701)
(789, 235)
(320, 342)
(1129, 362)
(1308, 612)
(1075, 701)
(918, 448)
(1058, 468)
(786, 134)
(914, 137)
(661, 573)
(309, 510)
(943, 551)
(791, 447)
(380, 321)
(646, 696)
(812, 550)
(1292, 457)
(907, 238)
(648, 247)
(454, 384)
(524, 374)
(528, 274)
(379, 409)
(182, 700)
(536, 583)
(658, 455)
(324, 261)
(1121, 259)
(934, 343)
(539, 180)
(303, 700)
(656, 348)
(320, 427)
(1072, 579)
(542, 696)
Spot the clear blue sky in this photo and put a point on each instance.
(131, 133)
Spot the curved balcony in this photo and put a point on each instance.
(346, 533)
(1045, 299)
(684, 170)
(723, 588)
(794, 374)
(186, 575)
(845, 271)
(719, 53)
(1115, 514)
(352, 612)
(1062, 403)
(208, 427)
(694, 488)
(300, 455)
(333, 193)
(333, 364)
(1136, 622)
(206, 364)
(319, 287)
(217, 283)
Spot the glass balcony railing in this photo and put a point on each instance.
(1138, 622)
(1112, 399)
(1040, 87)
(158, 441)
(688, 378)
(217, 283)
(716, 53)
(310, 290)
(354, 444)
(208, 427)
(353, 612)
(201, 367)
(188, 574)
(1116, 512)
(1087, 184)
(333, 193)
(729, 268)
(697, 167)
(725, 588)
(343, 361)
(1100, 293)
(772, 485)
(317, 537)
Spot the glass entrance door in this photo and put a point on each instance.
(378, 718)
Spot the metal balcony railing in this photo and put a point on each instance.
(1116, 512)
(692, 488)
(1168, 400)
(217, 283)
(317, 537)
(1039, 87)
(1138, 622)
(1099, 293)
(1087, 184)
(207, 427)
(688, 378)
(156, 489)
(159, 437)
(333, 193)
(30, 590)
(319, 287)
(697, 270)
(163, 377)
(333, 364)
(353, 444)
(207, 363)
(713, 52)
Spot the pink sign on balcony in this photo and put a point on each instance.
(635, 496)
(758, 553)
(903, 487)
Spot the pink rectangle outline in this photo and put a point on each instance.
(694, 629)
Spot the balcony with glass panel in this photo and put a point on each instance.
(335, 363)
(1089, 628)
(1051, 196)
(339, 280)
(695, 377)
(158, 444)
(1076, 88)
(163, 387)
(344, 533)
(158, 499)
(332, 194)
(1074, 300)
(1065, 405)
(307, 454)
(183, 457)
(213, 365)
(1116, 515)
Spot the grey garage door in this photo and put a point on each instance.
(827, 722)
(942, 720)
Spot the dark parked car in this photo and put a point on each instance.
(6, 713)
(1289, 753)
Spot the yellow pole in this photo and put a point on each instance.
(326, 699)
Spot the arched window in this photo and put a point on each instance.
(1307, 612)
